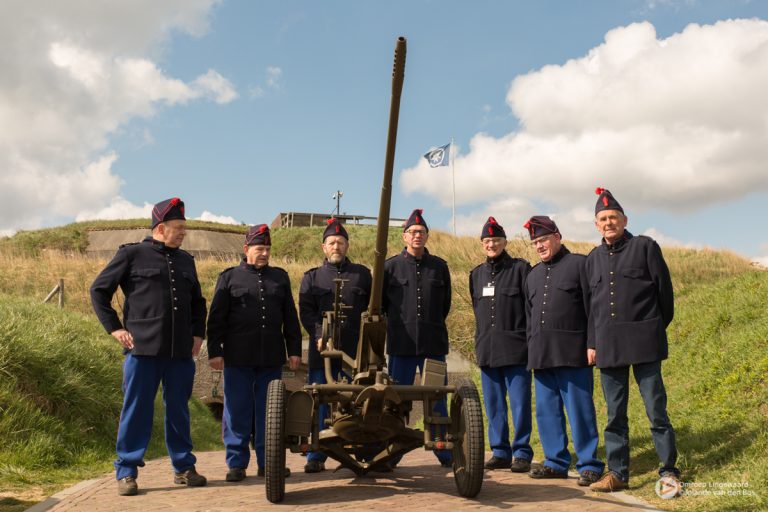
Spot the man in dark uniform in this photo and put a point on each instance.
(416, 300)
(163, 328)
(556, 307)
(316, 296)
(496, 288)
(251, 326)
(631, 305)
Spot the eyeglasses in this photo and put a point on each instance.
(417, 232)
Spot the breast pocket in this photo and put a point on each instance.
(570, 290)
(239, 297)
(359, 298)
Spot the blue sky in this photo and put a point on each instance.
(246, 109)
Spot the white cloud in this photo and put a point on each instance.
(221, 219)
(271, 83)
(73, 73)
(675, 124)
(119, 208)
(762, 260)
(273, 77)
(668, 241)
(216, 86)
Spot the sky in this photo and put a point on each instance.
(245, 109)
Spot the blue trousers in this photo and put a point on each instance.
(142, 376)
(572, 388)
(317, 376)
(615, 383)
(245, 410)
(512, 381)
(403, 370)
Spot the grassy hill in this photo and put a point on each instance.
(716, 373)
(60, 401)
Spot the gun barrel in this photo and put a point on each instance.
(382, 224)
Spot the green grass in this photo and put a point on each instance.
(717, 385)
(60, 399)
(74, 237)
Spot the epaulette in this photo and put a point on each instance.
(311, 270)
(280, 269)
(128, 244)
(230, 269)
(185, 252)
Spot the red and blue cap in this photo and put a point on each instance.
(170, 209)
(258, 235)
(416, 219)
(334, 228)
(606, 201)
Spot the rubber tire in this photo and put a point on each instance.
(274, 442)
(469, 439)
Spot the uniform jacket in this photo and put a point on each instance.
(417, 299)
(316, 296)
(631, 302)
(496, 288)
(253, 320)
(557, 309)
(164, 307)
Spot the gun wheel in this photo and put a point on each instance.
(274, 442)
(469, 442)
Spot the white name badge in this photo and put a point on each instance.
(488, 291)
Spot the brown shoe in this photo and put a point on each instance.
(127, 486)
(609, 483)
(190, 478)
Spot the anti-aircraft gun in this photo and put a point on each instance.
(368, 426)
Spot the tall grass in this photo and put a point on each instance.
(298, 249)
(60, 398)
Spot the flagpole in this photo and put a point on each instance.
(453, 183)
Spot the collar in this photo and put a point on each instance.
(557, 257)
(412, 259)
(336, 268)
(620, 243)
(498, 261)
(158, 245)
(251, 268)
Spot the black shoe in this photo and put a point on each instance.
(588, 477)
(520, 465)
(497, 463)
(260, 472)
(547, 472)
(314, 466)
(190, 478)
(235, 475)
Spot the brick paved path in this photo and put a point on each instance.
(419, 483)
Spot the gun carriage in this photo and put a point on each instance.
(368, 425)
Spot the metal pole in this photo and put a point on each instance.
(453, 183)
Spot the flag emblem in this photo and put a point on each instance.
(438, 157)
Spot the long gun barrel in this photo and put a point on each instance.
(382, 224)
(373, 326)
